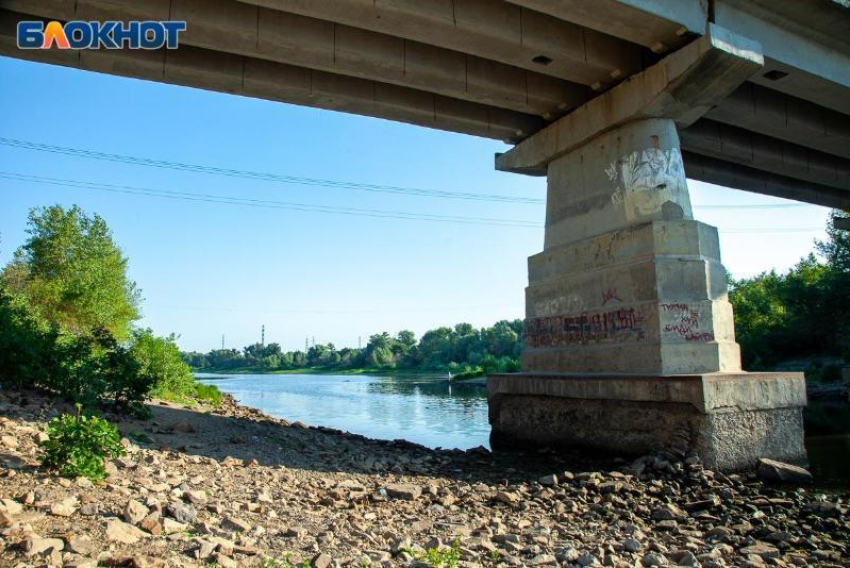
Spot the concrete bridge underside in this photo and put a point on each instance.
(629, 334)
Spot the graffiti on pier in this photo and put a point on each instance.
(684, 321)
(648, 180)
(624, 324)
(609, 295)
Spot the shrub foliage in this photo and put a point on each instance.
(78, 445)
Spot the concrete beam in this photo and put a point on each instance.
(780, 116)
(739, 146)
(715, 392)
(719, 172)
(800, 60)
(683, 86)
(243, 29)
(229, 73)
(489, 29)
(655, 24)
(825, 21)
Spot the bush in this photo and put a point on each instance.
(160, 362)
(208, 393)
(166, 373)
(96, 368)
(438, 557)
(85, 369)
(78, 445)
(26, 344)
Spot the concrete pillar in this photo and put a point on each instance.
(629, 332)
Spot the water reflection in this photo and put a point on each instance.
(429, 412)
(828, 443)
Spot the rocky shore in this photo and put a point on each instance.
(233, 487)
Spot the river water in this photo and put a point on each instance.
(434, 413)
(430, 412)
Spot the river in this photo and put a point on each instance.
(427, 411)
(434, 413)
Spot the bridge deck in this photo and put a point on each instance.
(507, 69)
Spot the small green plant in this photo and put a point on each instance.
(282, 563)
(78, 445)
(208, 393)
(438, 557)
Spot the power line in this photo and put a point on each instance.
(263, 176)
(294, 206)
(263, 203)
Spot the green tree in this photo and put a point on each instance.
(836, 249)
(437, 346)
(316, 355)
(381, 357)
(406, 338)
(160, 363)
(502, 340)
(799, 314)
(73, 273)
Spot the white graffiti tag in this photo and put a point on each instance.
(646, 180)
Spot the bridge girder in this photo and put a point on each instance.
(503, 69)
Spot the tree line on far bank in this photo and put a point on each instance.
(800, 315)
(459, 349)
(67, 313)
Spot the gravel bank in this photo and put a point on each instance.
(233, 487)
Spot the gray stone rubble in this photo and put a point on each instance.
(186, 494)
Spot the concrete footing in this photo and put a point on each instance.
(733, 418)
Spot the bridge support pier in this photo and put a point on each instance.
(629, 331)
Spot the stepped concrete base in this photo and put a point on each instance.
(734, 418)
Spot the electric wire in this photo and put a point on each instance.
(304, 207)
(264, 203)
(140, 161)
(262, 176)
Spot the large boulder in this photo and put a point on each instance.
(772, 471)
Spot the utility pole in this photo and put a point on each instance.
(263, 335)
(306, 343)
(222, 342)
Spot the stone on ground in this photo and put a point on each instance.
(404, 491)
(125, 533)
(772, 471)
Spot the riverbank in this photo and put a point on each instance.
(321, 371)
(837, 391)
(231, 486)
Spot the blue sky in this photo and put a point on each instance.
(208, 269)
